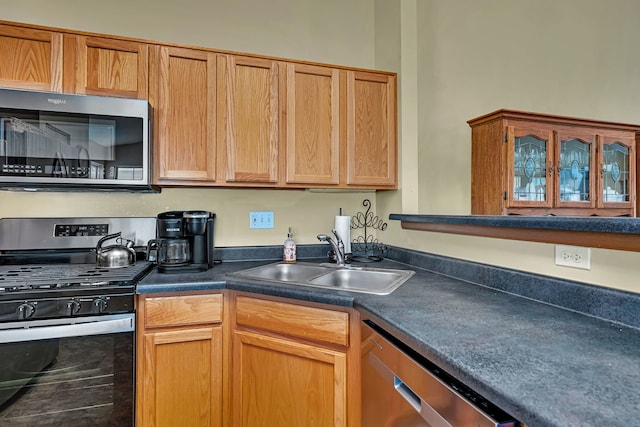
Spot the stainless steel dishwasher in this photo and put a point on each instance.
(402, 389)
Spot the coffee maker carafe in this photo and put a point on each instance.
(184, 241)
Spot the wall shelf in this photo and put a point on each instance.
(595, 232)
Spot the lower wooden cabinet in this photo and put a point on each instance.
(292, 365)
(179, 361)
(281, 382)
(273, 362)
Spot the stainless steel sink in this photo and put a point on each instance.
(376, 281)
(282, 272)
(379, 281)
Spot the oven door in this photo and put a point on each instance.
(77, 371)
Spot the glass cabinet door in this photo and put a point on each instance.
(616, 171)
(529, 152)
(575, 170)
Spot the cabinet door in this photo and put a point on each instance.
(529, 165)
(617, 171)
(313, 124)
(248, 113)
(182, 379)
(575, 180)
(30, 59)
(277, 382)
(371, 129)
(108, 67)
(183, 97)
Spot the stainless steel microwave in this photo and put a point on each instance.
(65, 142)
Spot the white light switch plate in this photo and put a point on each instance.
(261, 219)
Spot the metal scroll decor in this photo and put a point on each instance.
(365, 244)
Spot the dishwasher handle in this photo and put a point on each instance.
(408, 394)
(426, 412)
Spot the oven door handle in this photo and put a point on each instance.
(66, 328)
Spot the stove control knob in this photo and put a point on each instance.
(72, 307)
(26, 310)
(99, 305)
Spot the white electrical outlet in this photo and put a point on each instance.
(573, 256)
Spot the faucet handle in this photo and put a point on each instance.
(338, 239)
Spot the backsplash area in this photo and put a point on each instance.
(604, 303)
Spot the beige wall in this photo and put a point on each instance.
(457, 59)
(569, 57)
(330, 31)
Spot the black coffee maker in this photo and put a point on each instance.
(184, 241)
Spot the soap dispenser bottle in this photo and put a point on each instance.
(289, 249)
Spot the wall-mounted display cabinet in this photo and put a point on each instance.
(223, 118)
(538, 164)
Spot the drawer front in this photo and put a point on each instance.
(316, 324)
(182, 310)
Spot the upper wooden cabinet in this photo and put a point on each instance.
(372, 146)
(103, 66)
(46, 60)
(537, 164)
(225, 119)
(248, 118)
(30, 58)
(313, 124)
(183, 96)
(341, 128)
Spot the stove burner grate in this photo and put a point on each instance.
(59, 276)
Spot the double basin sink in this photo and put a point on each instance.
(379, 281)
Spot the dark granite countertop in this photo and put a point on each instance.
(545, 365)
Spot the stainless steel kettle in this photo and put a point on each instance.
(115, 256)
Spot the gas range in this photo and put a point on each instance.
(40, 291)
(46, 273)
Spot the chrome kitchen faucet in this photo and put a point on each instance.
(337, 245)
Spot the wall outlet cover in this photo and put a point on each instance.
(573, 256)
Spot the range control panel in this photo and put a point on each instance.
(71, 230)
